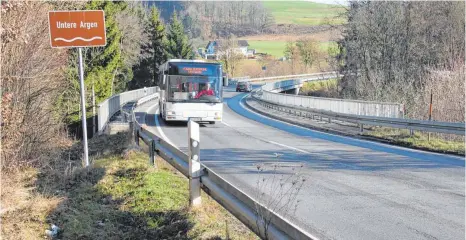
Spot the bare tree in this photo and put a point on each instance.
(278, 187)
(308, 51)
(33, 76)
(208, 18)
(230, 55)
(391, 49)
(133, 36)
(292, 54)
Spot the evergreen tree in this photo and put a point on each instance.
(102, 63)
(178, 45)
(157, 36)
(153, 54)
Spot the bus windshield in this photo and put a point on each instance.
(194, 88)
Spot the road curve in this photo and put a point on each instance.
(354, 189)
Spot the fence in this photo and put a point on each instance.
(113, 104)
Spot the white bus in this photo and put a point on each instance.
(191, 89)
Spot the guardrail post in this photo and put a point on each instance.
(131, 131)
(194, 164)
(136, 138)
(152, 153)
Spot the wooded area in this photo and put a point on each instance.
(222, 19)
(218, 19)
(403, 51)
(40, 85)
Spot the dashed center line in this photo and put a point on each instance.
(268, 141)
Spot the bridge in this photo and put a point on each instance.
(353, 188)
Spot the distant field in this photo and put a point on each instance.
(304, 13)
(276, 48)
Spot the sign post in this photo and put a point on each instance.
(83, 108)
(78, 29)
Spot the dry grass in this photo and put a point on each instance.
(218, 223)
(253, 68)
(24, 210)
(443, 143)
(120, 197)
(325, 88)
(214, 221)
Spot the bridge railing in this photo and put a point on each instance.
(363, 108)
(294, 77)
(354, 111)
(112, 105)
(347, 106)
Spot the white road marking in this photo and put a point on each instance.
(272, 142)
(228, 125)
(159, 129)
(343, 137)
(290, 147)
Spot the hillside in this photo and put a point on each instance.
(245, 18)
(304, 13)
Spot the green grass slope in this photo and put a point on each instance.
(304, 13)
(276, 48)
(120, 196)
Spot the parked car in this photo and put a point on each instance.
(243, 87)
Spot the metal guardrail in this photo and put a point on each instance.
(420, 125)
(270, 93)
(241, 205)
(354, 111)
(245, 78)
(289, 77)
(113, 104)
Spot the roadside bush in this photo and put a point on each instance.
(32, 78)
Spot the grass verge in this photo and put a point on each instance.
(120, 197)
(442, 143)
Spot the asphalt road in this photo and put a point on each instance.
(354, 189)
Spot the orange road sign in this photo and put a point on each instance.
(77, 28)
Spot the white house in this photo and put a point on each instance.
(211, 50)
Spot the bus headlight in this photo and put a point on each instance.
(171, 113)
